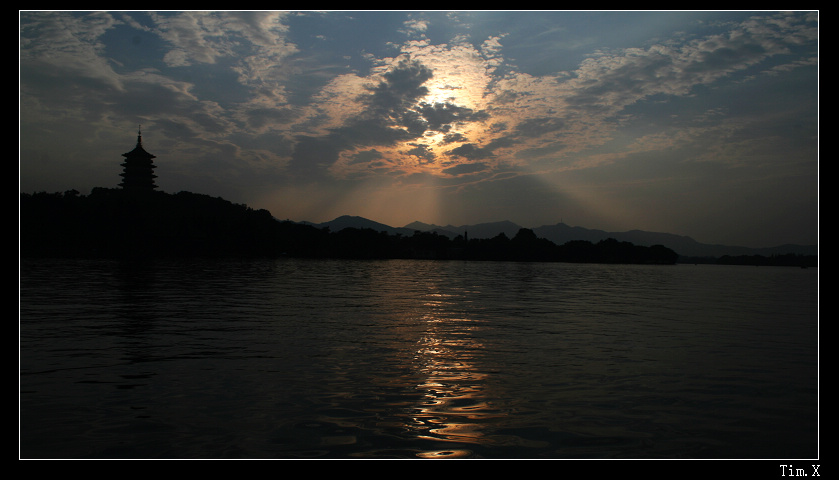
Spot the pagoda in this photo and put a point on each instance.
(138, 169)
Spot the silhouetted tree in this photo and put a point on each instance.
(117, 223)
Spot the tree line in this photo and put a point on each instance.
(113, 223)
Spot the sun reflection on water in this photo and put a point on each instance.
(454, 402)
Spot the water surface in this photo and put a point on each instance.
(416, 359)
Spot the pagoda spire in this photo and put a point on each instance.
(138, 168)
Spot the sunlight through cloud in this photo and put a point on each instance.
(441, 101)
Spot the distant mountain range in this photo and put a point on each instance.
(562, 233)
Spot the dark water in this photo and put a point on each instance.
(416, 359)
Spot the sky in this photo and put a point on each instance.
(696, 123)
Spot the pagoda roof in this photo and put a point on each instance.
(138, 150)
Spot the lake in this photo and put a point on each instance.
(407, 359)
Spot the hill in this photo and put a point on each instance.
(683, 245)
(115, 223)
(348, 221)
(562, 233)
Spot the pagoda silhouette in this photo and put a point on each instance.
(138, 169)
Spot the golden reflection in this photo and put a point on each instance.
(444, 454)
(454, 403)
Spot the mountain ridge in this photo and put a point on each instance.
(562, 233)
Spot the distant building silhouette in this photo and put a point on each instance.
(138, 169)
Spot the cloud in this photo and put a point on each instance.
(446, 98)
(43, 35)
(399, 89)
(192, 37)
(470, 151)
(392, 111)
(422, 152)
(466, 168)
(440, 116)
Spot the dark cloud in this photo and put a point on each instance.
(537, 127)
(440, 116)
(366, 156)
(506, 97)
(388, 111)
(501, 142)
(421, 151)
(363, 132)
(401, 88)
(396, 102)
(453, 138)
(394, 114)
(470, 151)
(498, 127)
(414, 123)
